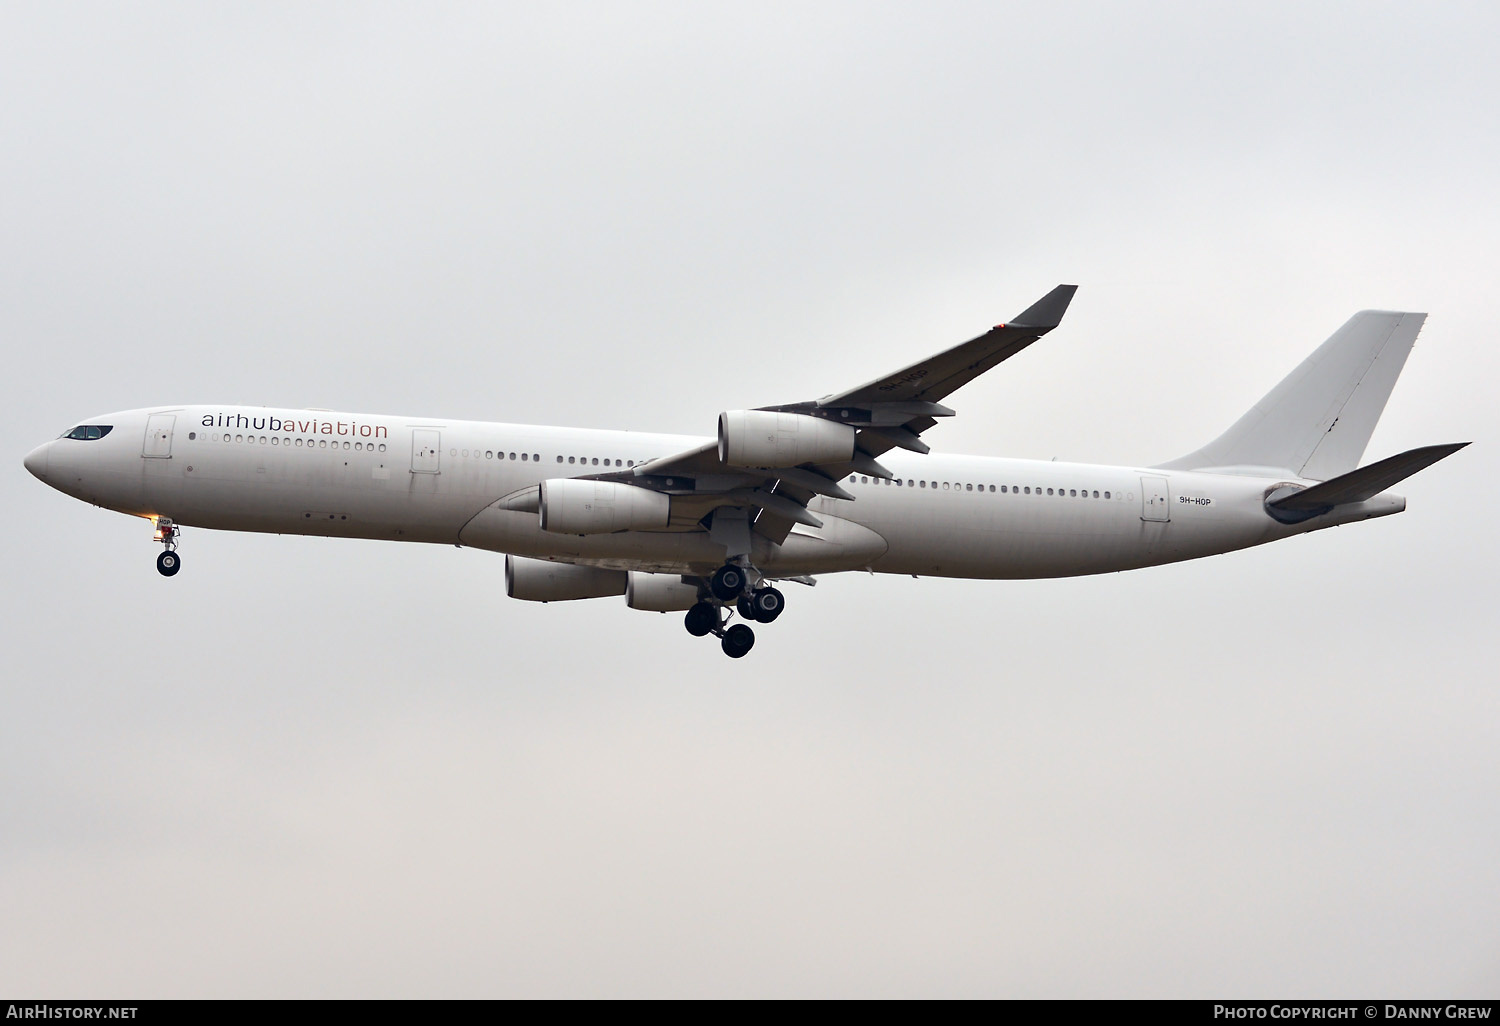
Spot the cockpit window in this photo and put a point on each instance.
(89, 432)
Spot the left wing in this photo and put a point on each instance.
(938, 376)
(772, 461)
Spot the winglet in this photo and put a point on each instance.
(1046, 312)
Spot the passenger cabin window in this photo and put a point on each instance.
(89, 432)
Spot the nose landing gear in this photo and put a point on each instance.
(169, 562)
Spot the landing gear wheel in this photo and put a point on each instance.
(746, 608)
(738, 640)
(168, 563)
(767, 604)
(701, 619)
(727, 583)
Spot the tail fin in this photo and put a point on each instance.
(1317, 422)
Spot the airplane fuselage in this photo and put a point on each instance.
(456, 482)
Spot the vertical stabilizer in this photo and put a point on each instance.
(1317, 422)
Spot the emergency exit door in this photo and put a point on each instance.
(158, 443)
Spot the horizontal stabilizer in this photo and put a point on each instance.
(1366, 482)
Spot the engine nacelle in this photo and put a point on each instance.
(541, 580)
(570, 506)
(764, 438)
(659, 593)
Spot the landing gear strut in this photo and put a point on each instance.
(730, 584)
(169, 562)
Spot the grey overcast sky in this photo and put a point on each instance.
(331, 768)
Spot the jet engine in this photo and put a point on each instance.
(659, 593)
(764, 438)
(541, 580)
(571, 506)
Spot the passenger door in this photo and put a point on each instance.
(1154, 499)
(158, 442)
(426, 451)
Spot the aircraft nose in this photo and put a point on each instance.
(36, 461)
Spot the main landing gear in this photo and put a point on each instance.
(730, 584)
(169, 562)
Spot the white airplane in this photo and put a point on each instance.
(709, 525)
